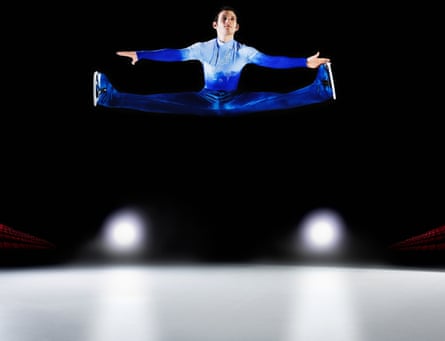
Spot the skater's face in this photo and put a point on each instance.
(226, 23)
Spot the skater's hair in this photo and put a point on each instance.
(226, 8)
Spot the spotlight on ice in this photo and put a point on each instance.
(321, 232)
(124, 232)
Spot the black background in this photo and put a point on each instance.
(223, 188)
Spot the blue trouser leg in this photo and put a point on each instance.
(180, 103)
(213, 103)
(249, 102)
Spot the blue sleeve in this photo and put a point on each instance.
(163, 55)
(278, 62)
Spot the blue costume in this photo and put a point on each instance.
(222, 65)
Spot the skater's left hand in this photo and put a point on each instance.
(314, 61)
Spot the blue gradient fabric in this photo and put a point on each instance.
(222, 66)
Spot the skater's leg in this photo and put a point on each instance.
(321, 90)
(205, 103)
(174, 103)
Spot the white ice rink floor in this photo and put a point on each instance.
(221, 303)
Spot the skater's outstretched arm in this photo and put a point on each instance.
(312, 62)
(161, 55)
(283, 62)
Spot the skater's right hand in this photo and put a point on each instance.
(129, 54)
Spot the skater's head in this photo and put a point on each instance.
(226, 8)
(226, 23)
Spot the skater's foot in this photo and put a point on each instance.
(330, 81)
(98, 88)
(326, 81)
